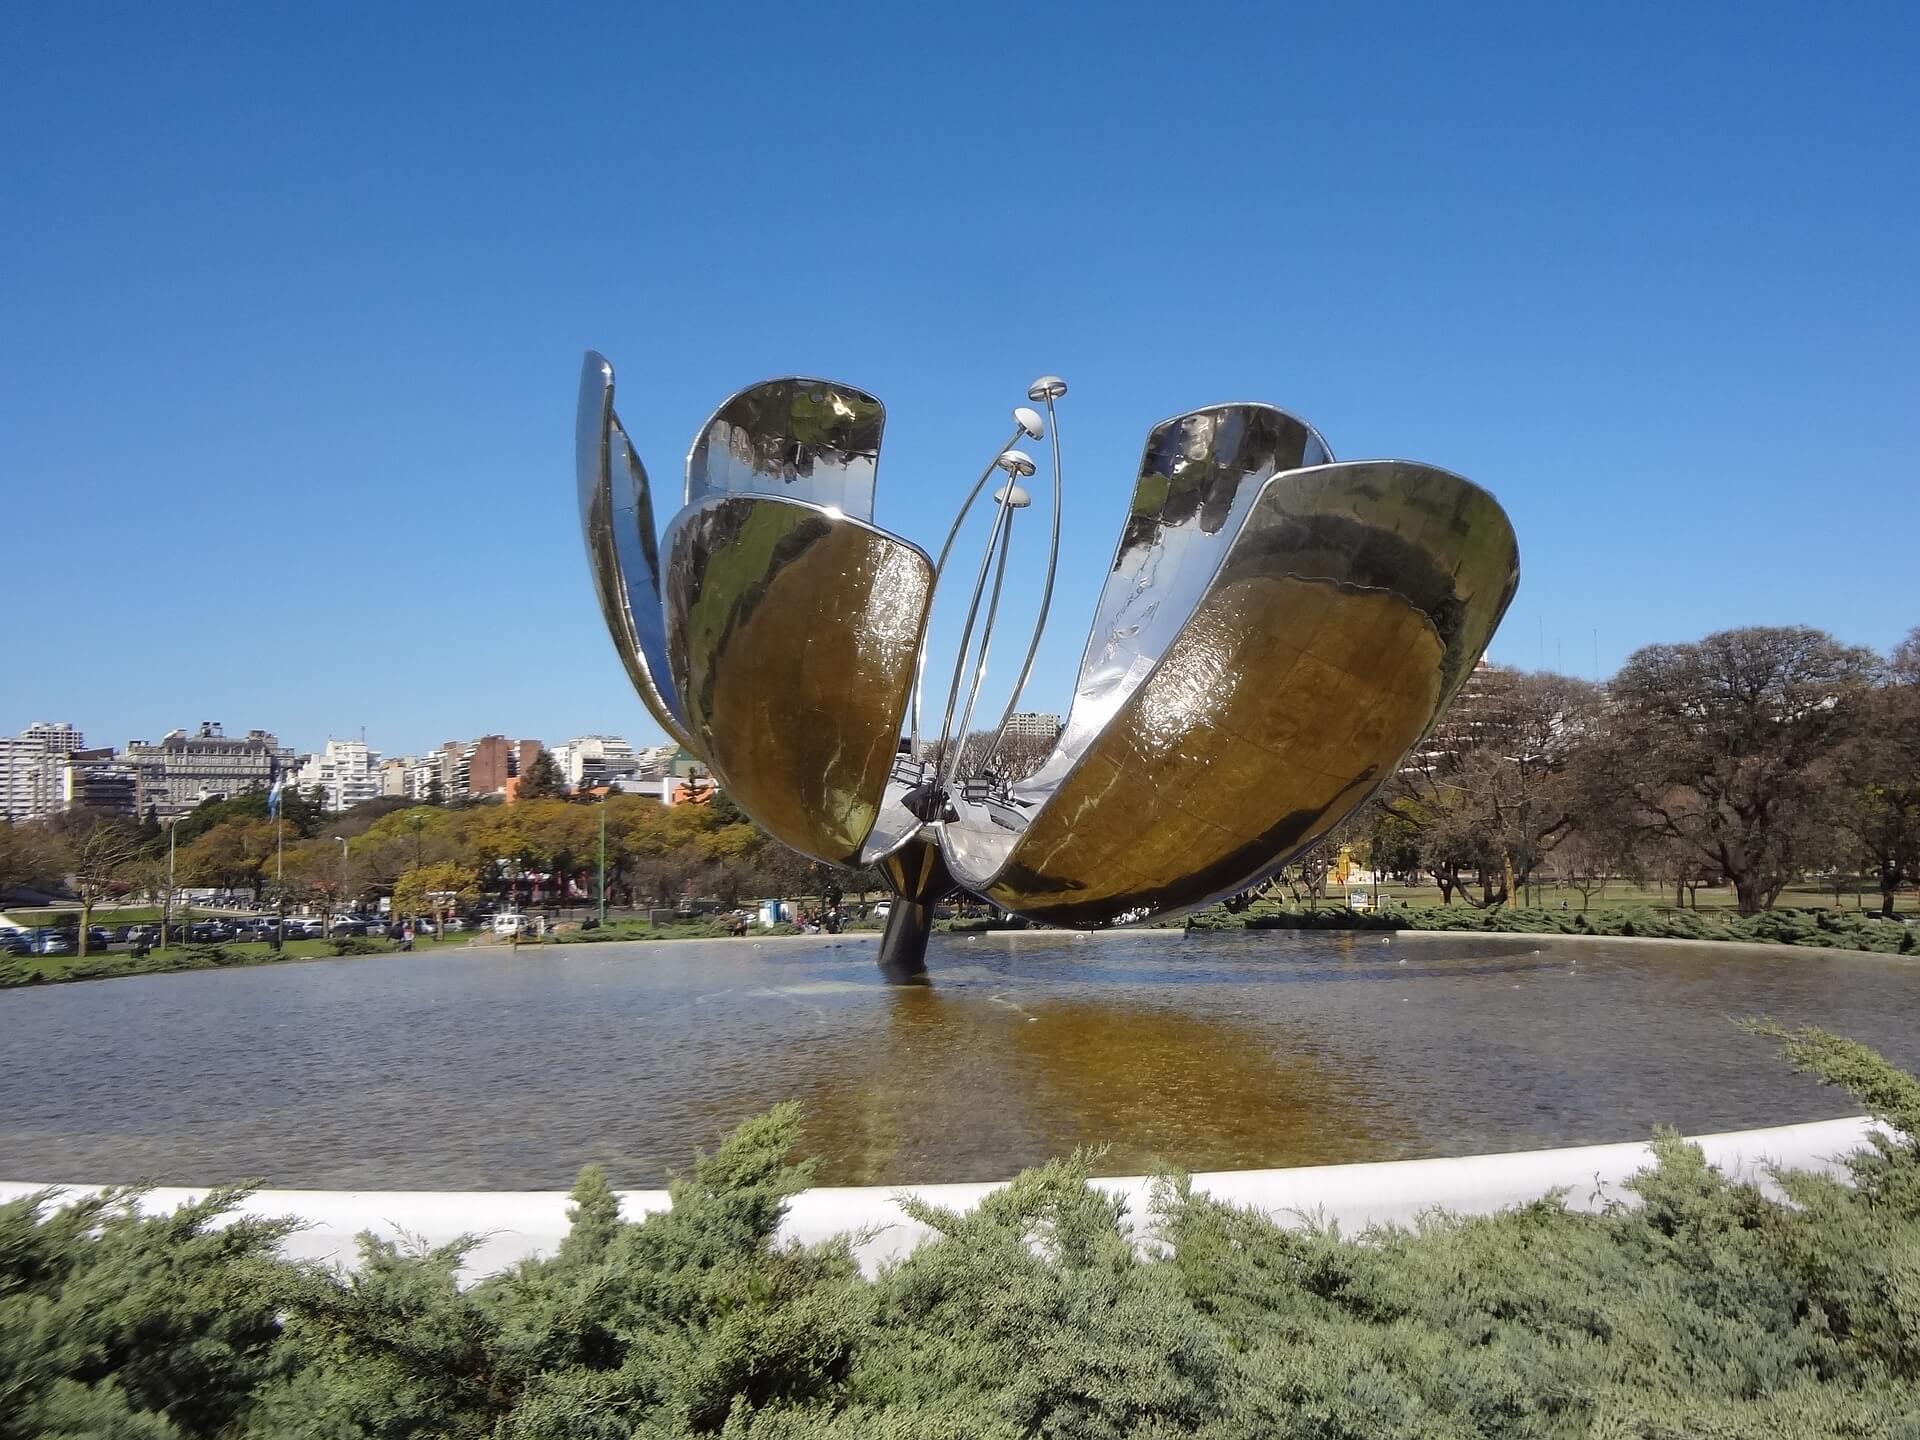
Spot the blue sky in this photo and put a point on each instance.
(292, 301)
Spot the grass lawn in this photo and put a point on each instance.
(52, 969)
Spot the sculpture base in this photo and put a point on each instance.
(903, 948)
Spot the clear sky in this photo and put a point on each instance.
(292, 302)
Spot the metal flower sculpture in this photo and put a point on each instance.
(1276, 632)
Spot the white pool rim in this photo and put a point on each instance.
(513, 1224)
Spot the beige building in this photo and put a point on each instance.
(179, 770)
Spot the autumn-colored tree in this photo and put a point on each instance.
(435, 890)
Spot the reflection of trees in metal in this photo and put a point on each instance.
(1276, 633)
(810, 440)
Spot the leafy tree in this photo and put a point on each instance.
(302, 814)
(1877, 802)
(435, 890)
(235, 854)
(1728, 746)
(322, 870)
(541, 780)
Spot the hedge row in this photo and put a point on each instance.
(1830, 928)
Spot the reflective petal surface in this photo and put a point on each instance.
(616, 520)
(796, 439)
(1199, 476)
(791, 633)
(1347, 611)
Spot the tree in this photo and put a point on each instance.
(1493, 804)
(541, 780)
(1877, 801)
(233, 855)
(101, 856)
(30, 857)
(434, 890)
(1585, 860)
(1728, 746)
(322, 869)
(301, 814)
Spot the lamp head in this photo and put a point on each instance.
(1013, 496)
(1029, 422)
(1047, 387)
(1016, 463)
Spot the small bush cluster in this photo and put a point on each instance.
(1701, 1309)
(1829, 928)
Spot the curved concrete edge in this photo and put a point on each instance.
(512, 1225)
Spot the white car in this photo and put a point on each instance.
(511, 922)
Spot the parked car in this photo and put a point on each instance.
(16, 942)
(54, 942)
(511, 922)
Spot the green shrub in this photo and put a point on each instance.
(1828, 928)
(356, 945)
(1690, 1307)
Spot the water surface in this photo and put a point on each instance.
(480, 1069)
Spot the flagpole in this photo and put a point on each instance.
(279, 856)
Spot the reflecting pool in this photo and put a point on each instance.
(481, 1069)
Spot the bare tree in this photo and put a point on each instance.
(29, 856)
(102, 855)
(1586, 860)
(1489, 808)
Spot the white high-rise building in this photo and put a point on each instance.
(342, 775)
(1030, 722)
(33, 769)
(587, 761)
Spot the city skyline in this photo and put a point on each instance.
(48, 768)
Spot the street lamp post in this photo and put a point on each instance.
(166, 906)
(343, 879)
(603, 855)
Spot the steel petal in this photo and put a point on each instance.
(791, 632)
(616, 520)
(1347, 611)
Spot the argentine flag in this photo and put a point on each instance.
(273, 791)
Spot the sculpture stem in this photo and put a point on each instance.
(903, 948)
